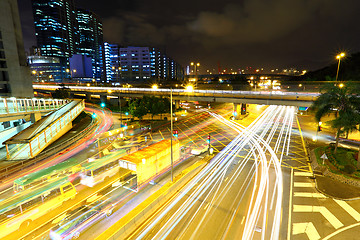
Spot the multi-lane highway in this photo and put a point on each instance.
(255, 186)
(239, 194)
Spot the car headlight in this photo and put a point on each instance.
(55, 236)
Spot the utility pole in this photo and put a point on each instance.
(171, 135)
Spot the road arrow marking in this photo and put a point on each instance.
(348, 209)
(308, 194)
(307, 228)
(303, 174)
(303, 184)
(324, 156)
(320, 209)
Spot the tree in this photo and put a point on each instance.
(63, 92)
(346, 104)
(137, 108)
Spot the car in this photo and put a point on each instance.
(80, 219)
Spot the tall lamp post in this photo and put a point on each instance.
(339, 56)
(117, 71)
(196, 65)
(171, 135)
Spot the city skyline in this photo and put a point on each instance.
(288, 34)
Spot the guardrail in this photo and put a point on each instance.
(28, 105)
(195, 93)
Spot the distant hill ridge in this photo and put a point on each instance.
(349, 70)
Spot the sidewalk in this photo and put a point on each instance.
(336, 189)
(331, 187)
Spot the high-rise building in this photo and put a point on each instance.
(111, 64)
(141, 63)
(135, 63)
(55, 27)
(14, 73)
(90, 38)
(62, 31)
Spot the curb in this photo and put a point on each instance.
(316, 181)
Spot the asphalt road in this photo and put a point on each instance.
(239, 197)
(193, 131)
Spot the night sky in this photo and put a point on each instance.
(305, 34)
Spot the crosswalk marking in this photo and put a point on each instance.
(303, 184)
(322, 210)
(308, 194)
(348, 209)
(303, 174)
(307, 228)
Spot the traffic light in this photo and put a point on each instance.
(208, 139)
(125, 126)
(93, 115)
(243, 109)
(175, 133)
(235, 113)
(102, 104)
(319, 129)
(126, 113)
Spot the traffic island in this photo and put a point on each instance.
(336, 175)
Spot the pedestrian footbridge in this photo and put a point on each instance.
(15, 108)
(31, 141)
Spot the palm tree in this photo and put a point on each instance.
(344, 100)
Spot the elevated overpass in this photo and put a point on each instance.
(31, 141)
(299, 99)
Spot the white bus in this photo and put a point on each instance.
(100, 169)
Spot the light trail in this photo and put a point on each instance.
(209, 187)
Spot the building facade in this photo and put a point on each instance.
(15, 77)
(45, 69)
(55, 27)
(111, 63)
(90, 38)
(81, 67)
(63, 30)
(148, 63)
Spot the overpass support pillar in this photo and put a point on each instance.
(35, 117)
(177, 104)
(103, 98)
(88, 96)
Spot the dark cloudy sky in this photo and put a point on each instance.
(306, 34)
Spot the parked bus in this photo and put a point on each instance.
(68, 169)
(19, 211)
(96, 171)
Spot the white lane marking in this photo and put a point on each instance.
(320, 209)
(290, 202)
(303, 174)
(309, 194)
(303, 184)
(355, 214)
(307, 228)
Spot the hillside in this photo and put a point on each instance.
(349, 70)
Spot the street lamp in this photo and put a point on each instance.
(196, 65)
(154, 87)
(339, 56)
(190, 88)
(117, 71)
(171, 136)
